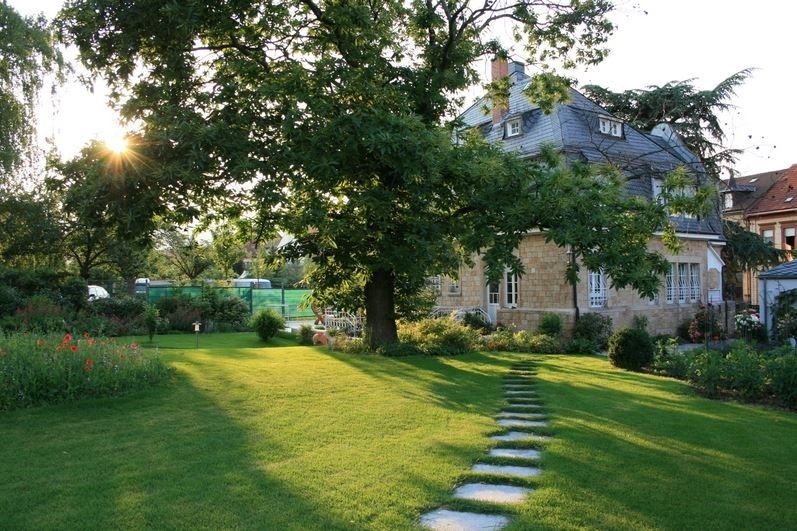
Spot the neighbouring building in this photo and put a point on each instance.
(766, 204)
(582, 130)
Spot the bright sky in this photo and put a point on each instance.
(674, 40)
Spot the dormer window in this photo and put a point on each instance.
(789, 199)
(610, 126)
(728, 200)
(513, 127)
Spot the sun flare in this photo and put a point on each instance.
(117, 143)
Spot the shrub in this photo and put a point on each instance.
(750, 327)
(477, 322)
(153, 321)
(579, 345)
(182, 311)
(124, 314)
(550, 325)
(667, 359)
(439, 337)
(705, 371)
(704, 324)
(781, 378)
(631, 349)
(595, 327)
(45, 369)
(266, 323)
(743, 372)
(502, 339)
(40, 314)
(537, 343)
(640, 322)
(232, 312)
(682, 331)
(306, 333)
(10, 300)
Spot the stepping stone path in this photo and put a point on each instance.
(519, 391)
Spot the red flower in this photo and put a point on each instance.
(73, 348)
(67, 338)
(88, 365)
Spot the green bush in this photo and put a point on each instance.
(153, 321)
(550, 325)
(595, 327)
(502, 339)
(640, 322)
(266, 323)
(438, 337)
(667, 359)
(743, 371)
(39, 314)
(45, 369)
(682, 331)
(781, 378)
(477, 322)
(10, 300)
(631, 349)
(579, 345)
(232, 312)
(306, 333)
(705, 371)
(705, 324)
(536, 343)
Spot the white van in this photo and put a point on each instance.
(251, 283)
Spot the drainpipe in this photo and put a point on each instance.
(764, 312)
(574, 287)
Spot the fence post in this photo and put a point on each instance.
(282, 294)
(251, 300)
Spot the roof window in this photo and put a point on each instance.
(753, 180)
(788, 199)
(513, 127)
(610, 126)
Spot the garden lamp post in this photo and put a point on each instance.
(197, 325)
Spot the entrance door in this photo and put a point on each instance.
(493, 299)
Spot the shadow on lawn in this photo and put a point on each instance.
(168, 458)
(671, 460)
(464, 383)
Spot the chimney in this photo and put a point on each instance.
(500, 69)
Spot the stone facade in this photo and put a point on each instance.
(543, 289)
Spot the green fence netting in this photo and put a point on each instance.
(290, 303)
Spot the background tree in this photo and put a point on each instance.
(108, 204)
(27, 53)
(694, 114)
(226, 250)
(31, 233)
(189, 257)
(334, 115)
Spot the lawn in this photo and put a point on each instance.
(288, 437)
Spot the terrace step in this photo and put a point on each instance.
(515, 453)
(520, 392)
(486, 492)
(507, 470)
(445, 520)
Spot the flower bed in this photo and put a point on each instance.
(45, 369)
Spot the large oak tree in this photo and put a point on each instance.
(331, 119)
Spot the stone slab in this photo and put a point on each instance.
(520, 436)
(525, 406)
(445, 520)
(520, 392)
(486, 492)
(520, 423)
(521, 415)
(519, 387)
(515, 453)
(507, 470)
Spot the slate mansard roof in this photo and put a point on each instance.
(573, 129)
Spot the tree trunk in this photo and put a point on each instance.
(380, 320)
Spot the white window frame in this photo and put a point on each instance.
(669, 284)
(597, 289)
(511, 289)
(656, 186)
(728, 200)
(610, 126)
(513, 127)
(770, 238)
(436, 283)
(683, 282)
(694, 282)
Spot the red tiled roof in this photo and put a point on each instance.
(777, 197)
